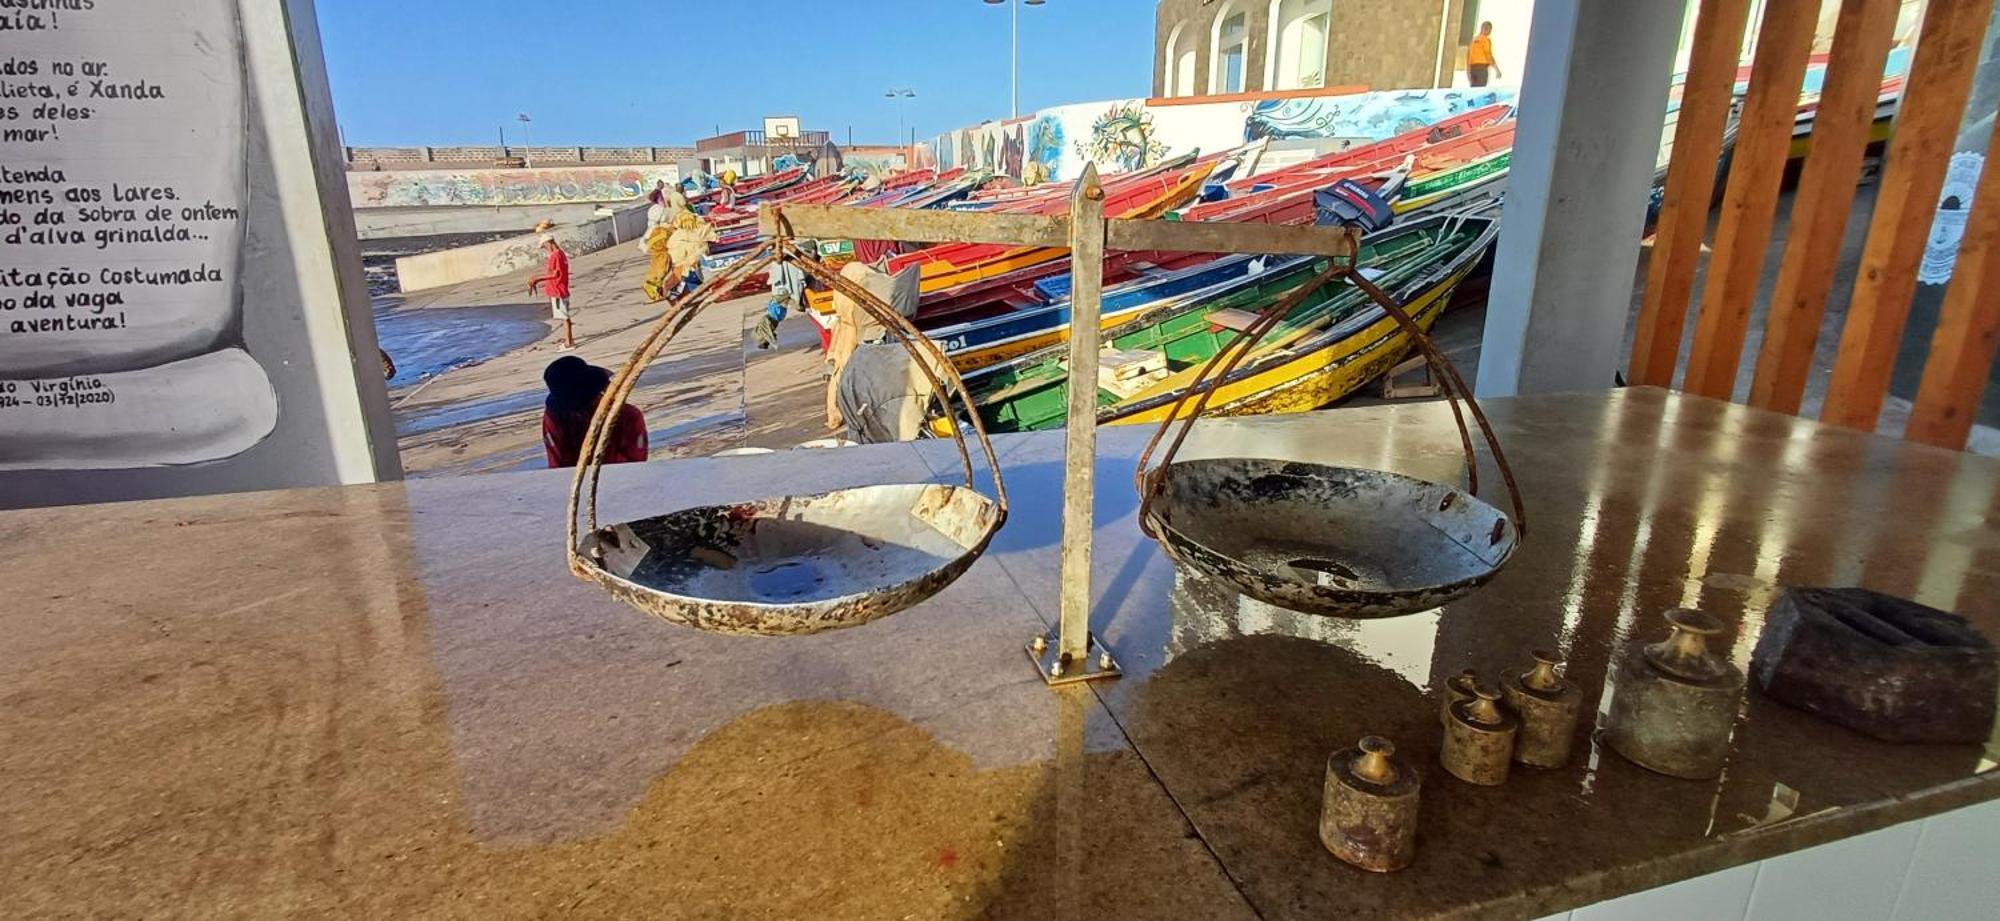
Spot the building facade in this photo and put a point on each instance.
(1223, 47)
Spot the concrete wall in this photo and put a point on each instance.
(501, 257)
(390, 223)
(418, 188)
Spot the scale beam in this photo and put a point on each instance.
(851, 223)
(1070, 653)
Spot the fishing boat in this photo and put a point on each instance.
(1323, 350)
(1469, 172)
(955, 265)
(992, 340)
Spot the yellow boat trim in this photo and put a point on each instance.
(1313, 379)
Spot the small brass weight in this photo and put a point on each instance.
(1547, 704)
(1368, 816)
(1456, 688)
(1479, 739)
(1675, 701)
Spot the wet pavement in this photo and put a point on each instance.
(395, 701)
(710, 390)
(426, 343)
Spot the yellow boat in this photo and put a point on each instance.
(1299, 378)
(1326, 348)
(990, 341)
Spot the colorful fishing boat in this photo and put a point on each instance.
(1442, 155)
(1323, 350)
(1146, 197)
(992, 340)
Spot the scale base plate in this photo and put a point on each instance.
(1097, 664)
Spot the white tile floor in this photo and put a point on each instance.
(1945, 868)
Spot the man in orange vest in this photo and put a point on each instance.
(1479, 56)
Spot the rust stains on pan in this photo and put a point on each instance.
(1335, 541)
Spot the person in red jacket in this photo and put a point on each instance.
(575, 386)
(555, 281)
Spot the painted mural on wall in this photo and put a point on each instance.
(1369, 115)
(1122, 139)
(873, 164)
(1127, 134)
(420, 188)
(1042, 159)
(997, 147)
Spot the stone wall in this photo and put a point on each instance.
(1379, 44)
(1199, 18)
(1388, 43)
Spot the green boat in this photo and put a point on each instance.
(1323, 350)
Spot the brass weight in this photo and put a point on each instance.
(1547, 704)
(1456, 688)
(1675, 701)
(1368, 815)
(1479, 740)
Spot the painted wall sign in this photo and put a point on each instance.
(122, 186)
(1948, 227)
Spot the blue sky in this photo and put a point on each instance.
(668, 71)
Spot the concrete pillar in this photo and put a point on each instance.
(1593, 101)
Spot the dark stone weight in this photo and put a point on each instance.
(1880, 665)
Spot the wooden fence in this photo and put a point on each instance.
(1927, 123)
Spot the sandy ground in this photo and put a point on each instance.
(712, 389)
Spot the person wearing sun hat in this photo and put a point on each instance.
(575, 387)
(554, 282)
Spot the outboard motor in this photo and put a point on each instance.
(1350, 202)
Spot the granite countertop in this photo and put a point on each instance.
(394, 701)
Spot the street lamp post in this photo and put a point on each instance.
(1014, 61)
(527, 140)
(899, 95)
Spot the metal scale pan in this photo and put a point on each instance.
(791, 564)
(1319, 539)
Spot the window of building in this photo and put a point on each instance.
(1179, 64)
(1299, 33)
(1232, 49)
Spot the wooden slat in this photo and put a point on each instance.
(1087, 234)
(926, 226)
(916, 226)
(1861, 39)
(1961, 355)
(1750, 202)
(1926, 127)
(1683, 222)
